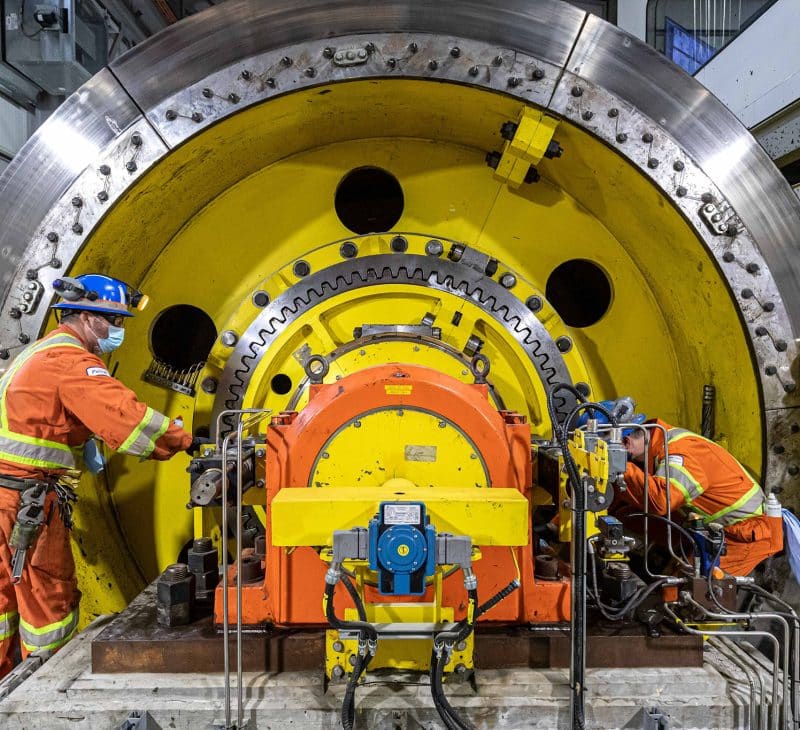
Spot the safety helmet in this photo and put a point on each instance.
(98, 293)
(621, 408)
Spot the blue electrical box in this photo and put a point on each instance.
(402, 548)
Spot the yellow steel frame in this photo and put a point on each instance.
(494, 516)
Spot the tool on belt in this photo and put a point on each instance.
(30, 515)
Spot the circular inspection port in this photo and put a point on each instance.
(579, 291)
(369, 200)
(281, 384)
(182, 336)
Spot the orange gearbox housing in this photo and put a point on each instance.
(294, 579)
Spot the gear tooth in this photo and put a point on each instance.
(439, 274)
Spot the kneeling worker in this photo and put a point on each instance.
(55, 395)
(705, 479)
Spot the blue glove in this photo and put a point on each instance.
(92, 457)
(791, 530)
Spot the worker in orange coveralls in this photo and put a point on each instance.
(54, 397)
(706, 480)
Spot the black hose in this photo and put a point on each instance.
(578, 606)
(444, 641)
(670, 522)
(337, 623)
(551, 407)
(496, 598)
(349, 703)
(366, 631)
(447, 712)
(443, 708)
(359, 604)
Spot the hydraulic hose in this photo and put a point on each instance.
(443, 644)
(496, 598)
(789, 615)
(367, 634)
(578, 607)
(359, 604)
(337, 623)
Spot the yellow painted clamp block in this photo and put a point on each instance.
(527, 147)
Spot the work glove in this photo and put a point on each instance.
(93, 458)
(197, 442)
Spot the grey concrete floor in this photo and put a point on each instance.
(65, 694)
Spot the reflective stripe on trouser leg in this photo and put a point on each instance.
(47, 597)
(50, 637)
(9, 622)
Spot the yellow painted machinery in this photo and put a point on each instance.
(378, 237)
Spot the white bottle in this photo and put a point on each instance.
(773, 506)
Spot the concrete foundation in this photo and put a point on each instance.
(65, 693)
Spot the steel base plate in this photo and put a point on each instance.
(134, 642)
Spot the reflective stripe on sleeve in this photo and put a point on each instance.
(50, 637)
(682, 478)
(142, 440)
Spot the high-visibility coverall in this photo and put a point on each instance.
(706, 479)
(53, 397)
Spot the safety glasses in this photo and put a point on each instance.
(115, 319)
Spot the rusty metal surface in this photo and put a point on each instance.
(134, 642)
(617, 646)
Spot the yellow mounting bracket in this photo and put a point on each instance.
(592, 464)
(527, 147)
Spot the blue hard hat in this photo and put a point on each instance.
(97, 293)
(621, 408)
(635, 418)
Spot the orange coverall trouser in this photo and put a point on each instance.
(48, 590)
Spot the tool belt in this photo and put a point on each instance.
(65, 495)
(30, 515)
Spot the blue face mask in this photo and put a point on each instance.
(116, 336)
